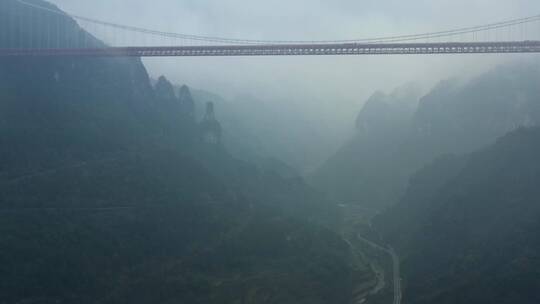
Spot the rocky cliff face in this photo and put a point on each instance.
(368, 170)
(391, 143)
(108, 196)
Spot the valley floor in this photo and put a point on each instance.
(385, 282)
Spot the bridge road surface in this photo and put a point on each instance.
(395, 267)
(288, 49)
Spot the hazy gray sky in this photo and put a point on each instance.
(342, 82)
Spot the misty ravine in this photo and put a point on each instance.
(326, 180)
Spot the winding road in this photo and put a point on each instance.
(395, 267)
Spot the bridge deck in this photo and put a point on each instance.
(291, 49)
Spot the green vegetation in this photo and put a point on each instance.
(465, 223)
(468, 226)
(109, 195)
(395, 138)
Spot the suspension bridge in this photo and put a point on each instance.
(32, 28)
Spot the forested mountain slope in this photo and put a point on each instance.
(109, 195)
(454, 117)
(467, 228)
(368, 170)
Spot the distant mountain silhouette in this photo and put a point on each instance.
(391, 144)
(367, 170)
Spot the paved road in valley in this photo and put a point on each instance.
(395, 267)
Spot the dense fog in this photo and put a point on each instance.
(344, 179)
(329, 90)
